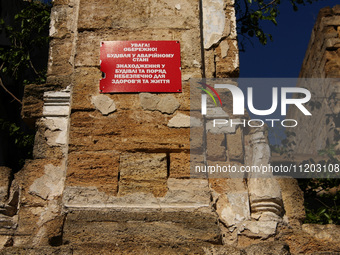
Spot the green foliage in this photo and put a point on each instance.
(23, 61)
(252, 13)
(28, 34)
(322, 206)
(21, 142)
(21, 139)
(321, 203)
(321, 195)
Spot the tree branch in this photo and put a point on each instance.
(3, 86)
(265, 6)
(32, 66)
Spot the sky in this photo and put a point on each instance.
(283, 57)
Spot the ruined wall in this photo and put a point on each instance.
(322, 60)
(111, 172)
(101, 155)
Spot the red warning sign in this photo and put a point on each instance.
(140, 66)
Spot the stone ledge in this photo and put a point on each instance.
(141, 226)
(182, 193)
(33, 102)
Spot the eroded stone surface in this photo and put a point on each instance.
(166, 104)
(57, 130)
(127, 178)
(233, 208)
(179, 165)
(278, 248)
(180, 120)
(143, 172)
(328, 232)
(50, 184)
(321, 61)
(149, 101)
(293, 200)
(5, 174)
(262, 229)
(104, 104)
(146, 226)
(179, 193)
(214, 21)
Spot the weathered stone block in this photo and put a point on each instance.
(221, 128)
(157, 187)
(32, 173)
(86, 85)
(235, 145)
(46, 250)
(180, 120)
(187, 192)
(145, 14)
(329, 232)
(336, 9)
(216, 149)
(61, 21)
(197, 169)
(128, 248)
(179, 165)
(56, 130)
(168, 104)
(5, 176)
(28, 218)
(223, 249)
(228, 66)
(215, 25)
(190, 50)
(233, 208)
(274, 247)
(293, 200)
(60, 54)
(143, 172)
(41, 149)
(143, 166)
(149, 101)
(141, 226)
(196, 140)
(259, 229)
(331, 21)
(104, 104)
(90, 131)
(50, 185)
(5, 241)
(228, 185)
(61, 2)
(157, 194)
(165, 104)
(209, 56)
(98, 169)
(33, 100)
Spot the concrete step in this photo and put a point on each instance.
(141, 226)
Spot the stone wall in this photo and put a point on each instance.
(111, 172)
(321, 61)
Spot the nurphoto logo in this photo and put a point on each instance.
(239, 104)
